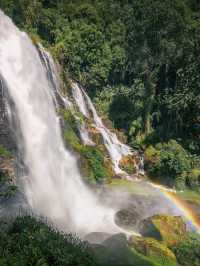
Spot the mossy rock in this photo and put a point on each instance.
(169, 229)
(115, 251)
(95, 135)
(151, 248)
(126, 219)
(127, 164)
(109, 124)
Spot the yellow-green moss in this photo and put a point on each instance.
(151, 155)
(169, 229)
(151, 247)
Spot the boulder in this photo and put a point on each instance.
(151, 248)
(97, 237)
(166, 228)
(127, 219)
(117, 251)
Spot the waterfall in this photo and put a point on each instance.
(79, 99)
(59, 99)
(53, 186)
(53, 78)
(115, 148)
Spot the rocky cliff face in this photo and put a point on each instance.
(6, 135)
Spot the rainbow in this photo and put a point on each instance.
(181, 204)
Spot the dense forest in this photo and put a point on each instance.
(139, 61)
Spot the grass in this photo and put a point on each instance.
(190, 195)
(134, 187)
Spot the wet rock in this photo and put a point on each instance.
(96, 136)
(97, 237)
(116, 241)
(7, 169)
(127, 219)
(114, 252)
(117, 176)
(6, 135)
(170, 229)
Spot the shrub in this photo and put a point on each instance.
(167, 161)
(188, 251)
(193, 179)
(7, 188)
(93, 158)
(96, 162)
(4, 153)
(31, 242)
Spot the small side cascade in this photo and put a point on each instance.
(59, 99)
(80, 101)
(85, 135)
(53, 77)
(140, 165)
(115, 148)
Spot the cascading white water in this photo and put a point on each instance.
(53, 78)
(85, 135)
(115, 148)
(79, 99)
(54, 187)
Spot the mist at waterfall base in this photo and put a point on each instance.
(53, 186)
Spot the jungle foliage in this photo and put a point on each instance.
(139, 60)
(28, 241)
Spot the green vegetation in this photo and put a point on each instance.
(4, 153)
(156, 252)
(190, 195)
(152, 247)
(139, 60)
(116, 252)
(127, 164)
(193, 179)
(141, 55)
(188, 251)
(92, 158)
(170, 164)
(168, 161)
(169, 229)
(96, 161)
(7, 187)
(30, 242)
